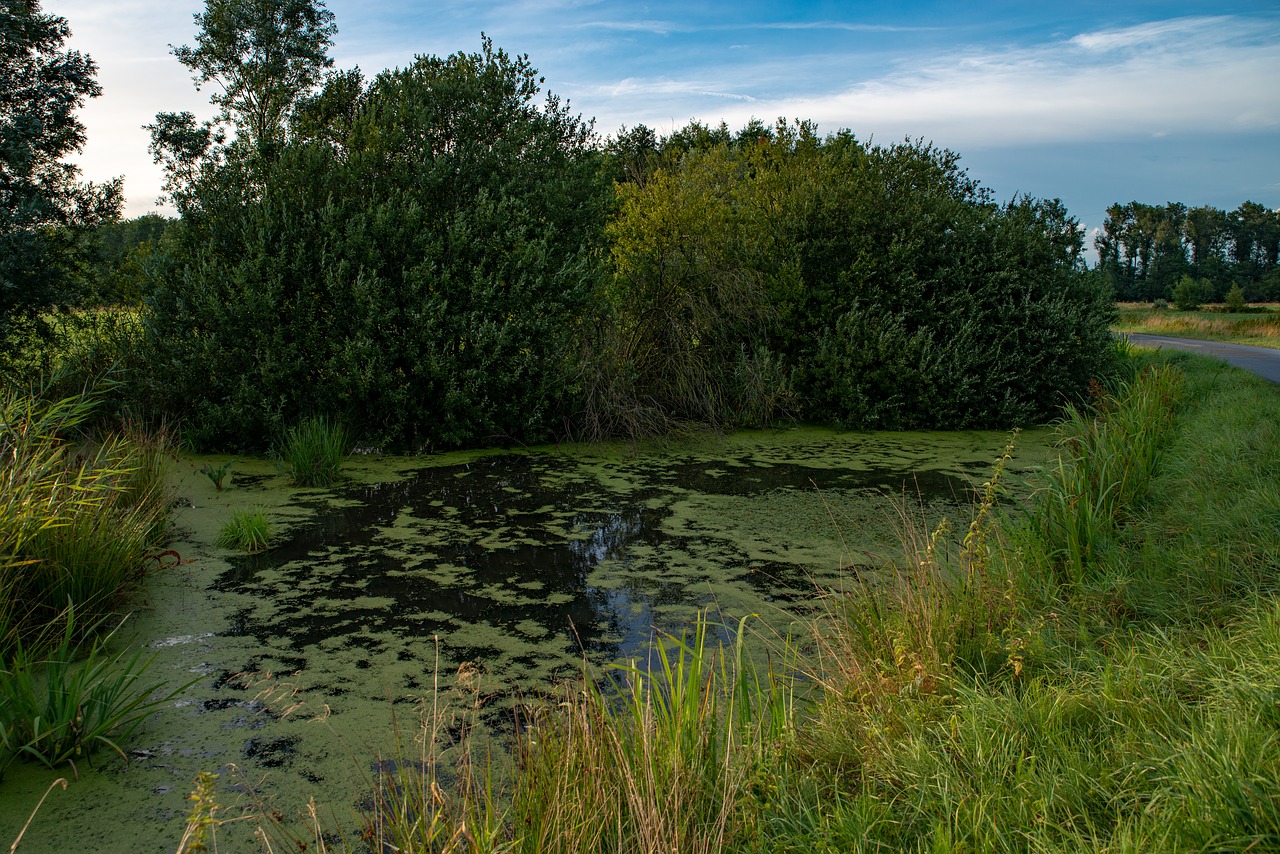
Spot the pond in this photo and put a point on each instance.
(519, 564)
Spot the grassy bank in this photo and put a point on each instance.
(1094, 670)
(1261, 329)
(82, 514)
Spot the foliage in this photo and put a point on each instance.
(1145, 250)
(77, 350)
(418, 269)
(262, 56)
(665, 764)
(312, 451)
(1234, 302)
(1258, 326)
(1137, 682)
(247, 530)
(78, 698)
(202, 826)
(687, 312)
(881, 280)
(42, 205)
(1189, 294)
(217, 474)
(78, 524)
(1109, 456)
(118, 253)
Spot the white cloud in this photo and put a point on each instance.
(1174, 77)
(660, 28)
(1184, 76)
(1153, 33)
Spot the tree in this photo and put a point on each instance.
(1188, 294)
(264, 55)
(42, 204)
(416, 258)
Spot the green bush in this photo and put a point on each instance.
(1235, 302)
(882, 280)
(1188, 294)
(418, 267)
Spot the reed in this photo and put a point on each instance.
(665, 759)
(78, 518)
(312, 452)
(62, 707)
(1107, 457)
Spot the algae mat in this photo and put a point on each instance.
(516, 566)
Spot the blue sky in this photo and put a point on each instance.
(1089, 102)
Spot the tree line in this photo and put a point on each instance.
(444, 254)
(1145, 251)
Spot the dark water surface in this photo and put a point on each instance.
(517, 564)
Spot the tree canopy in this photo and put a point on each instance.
(445, 255)
(42, 202)
(1145, 251)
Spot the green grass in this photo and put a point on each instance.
(247, 530)
(312, 452)
(1096, 672)
(1136, 707)
(60, 708)
(1260, 329)
(80, 517)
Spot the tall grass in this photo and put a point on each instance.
(79, 521)
(1260, 329)
(1109, 454)
(1095, 672)
(247, 530)
(1136, 707)
(62, 707)
(312, 452)
(78, 518)
(666, 762)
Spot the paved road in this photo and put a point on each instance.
(1263, 361)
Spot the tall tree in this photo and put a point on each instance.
(263, 56)
(42, 202)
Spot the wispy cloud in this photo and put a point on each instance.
(641, 88)
(1169, 77)
(1154, 33)
(835, 25)
(660, 28)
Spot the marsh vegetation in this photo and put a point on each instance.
(717, 645)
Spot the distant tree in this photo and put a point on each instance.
(42, 204)
(634, 153)
(1188, 294)
(117, 252)
(1235, 301)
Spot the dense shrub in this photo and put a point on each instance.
(1188, 294)
(894, 292)
(415, 261)
(430, 259)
